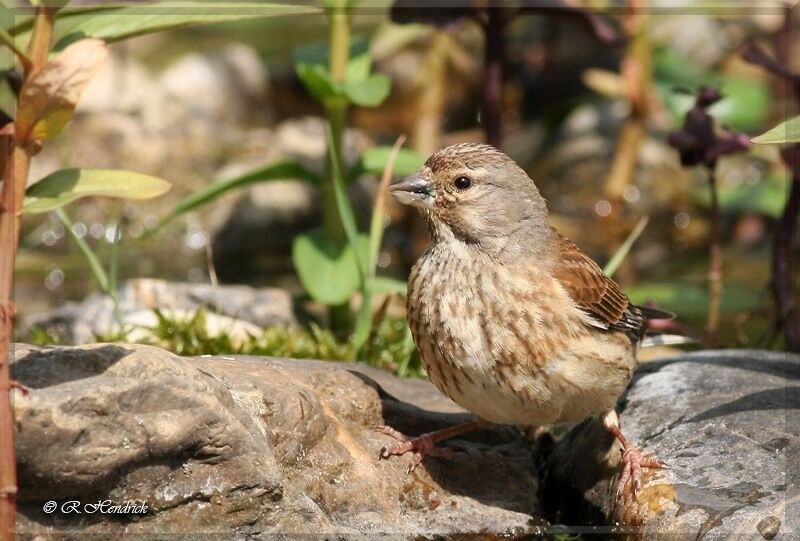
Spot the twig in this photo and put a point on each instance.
(714, 262)
(636, 74)
(782, 260)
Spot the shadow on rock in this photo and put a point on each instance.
(46, 367)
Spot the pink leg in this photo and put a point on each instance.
(424, 445)
(633, 459)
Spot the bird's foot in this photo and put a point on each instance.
(633, 462)
(419, 447)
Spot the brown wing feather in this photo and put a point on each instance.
(594, 292)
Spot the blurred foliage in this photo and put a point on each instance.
(691, 302)
(390, 347)
(766, 197)
(747, 104)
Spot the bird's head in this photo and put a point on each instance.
(476, 194)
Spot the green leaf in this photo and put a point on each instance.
(120, 23)
(368, 93)
(787, 131)
(385, 284)
(358, 67)
(281, 170)
(329, 271)
(318, 82)
(375, 159)
(64, 186)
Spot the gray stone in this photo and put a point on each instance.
(248, 448)
(727, 424)
(233, 308)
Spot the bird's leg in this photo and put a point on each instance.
(424, 445)
(633, 459)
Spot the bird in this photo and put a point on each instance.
(513, 322)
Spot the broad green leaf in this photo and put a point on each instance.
(281, 170)
(318, 82)
(65, 186)
(358, 67)
(787, 131)
(47, 99)
(328, 271)
(368, 93)
(146, 18)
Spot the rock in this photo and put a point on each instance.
(726, 422)
(234, 309)
(250, 447)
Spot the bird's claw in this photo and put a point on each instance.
(633, 460)
(420, 447)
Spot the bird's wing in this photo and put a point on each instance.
(594, 292)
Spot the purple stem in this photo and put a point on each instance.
(782, 256)
(493, 76)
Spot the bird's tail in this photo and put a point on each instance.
(655, 340)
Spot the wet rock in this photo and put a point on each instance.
(233, 309)
(726, 422)
(247, 447)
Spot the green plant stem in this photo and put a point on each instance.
(113, 271)
(364, 321)
(622, 252)
(331, 219)
(336, 111)
(94, 262)
(9, 42)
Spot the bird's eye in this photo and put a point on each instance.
(462, 182)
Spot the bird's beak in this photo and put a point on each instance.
(415, 190)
